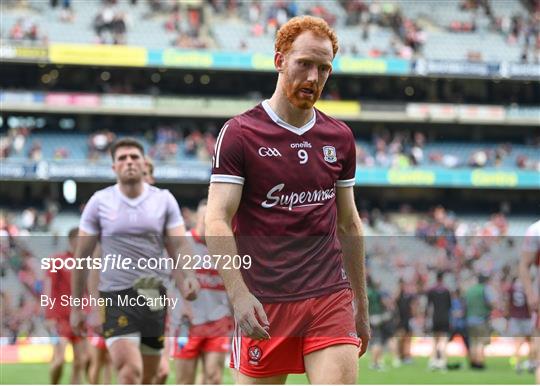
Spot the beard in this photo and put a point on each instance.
(296, 97)
(130, 178)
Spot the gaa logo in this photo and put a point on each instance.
(254, 354)
(269, 152)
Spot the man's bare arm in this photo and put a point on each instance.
(86, 244)
(223, 202)
(351, 236)
(527, 260)
(177, 244)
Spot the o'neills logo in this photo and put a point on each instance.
(303, 145)
(296, 199)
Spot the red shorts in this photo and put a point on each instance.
(209, 337)
(296, 329)
(98, 342)
(63, 328)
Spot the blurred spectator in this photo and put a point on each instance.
(26, 29)
(99, 143)
(29, 219)
(60, 153)
(17, 30)
(67, 14)
(35, 153)
(109, 21)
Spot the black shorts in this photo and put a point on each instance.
(441, 326)
(121, 319)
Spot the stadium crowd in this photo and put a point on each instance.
(191, 29)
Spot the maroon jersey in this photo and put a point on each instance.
(517, 299)
(286, 220)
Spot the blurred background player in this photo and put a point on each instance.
(286, 169)
(134, 334)
(479, 302)
(209, 318)
(520, 325)
(438, 308)
(148, 173)
(458, 323)
(380, 318)
(530, 261)
(404, 312)
(58, 284)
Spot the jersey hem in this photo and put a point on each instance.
(227, 178)
(345, 183)
(306, 295)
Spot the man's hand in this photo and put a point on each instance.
(364, 331)
(250, 316)
(94, 320)
(186, 312)
(190, 287)
(77, 320)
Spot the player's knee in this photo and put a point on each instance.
(212, 377)
(57, 363)
(347, 375)
(130, 373)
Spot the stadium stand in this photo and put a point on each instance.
(484, 31)
(415, 224)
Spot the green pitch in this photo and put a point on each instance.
(499, 371)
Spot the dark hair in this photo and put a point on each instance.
(126, 142)
(440, 275)
(73, 232)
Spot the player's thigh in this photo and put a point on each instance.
(80, 351)
(59, 350)
(213, 363)
(150, 366)
(185, 370)
(242, 379)
(333, 364)
(124, 351)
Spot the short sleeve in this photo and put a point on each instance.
(174, 218)
(228, 159)
(348, 172)
(89, 218)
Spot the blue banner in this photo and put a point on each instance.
(456, 178)
(199, 172)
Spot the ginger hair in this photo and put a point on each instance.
(289, 31)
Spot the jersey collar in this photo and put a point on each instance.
(133, 201)
(297, 130)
